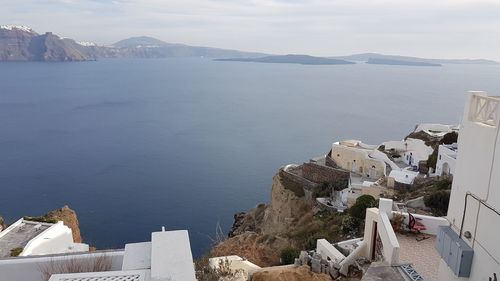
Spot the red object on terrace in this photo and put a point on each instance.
(415, 224)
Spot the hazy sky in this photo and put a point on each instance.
(427, 28)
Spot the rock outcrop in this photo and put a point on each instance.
(259, 235)
(288, 221)
(24, 44)
(69, 218)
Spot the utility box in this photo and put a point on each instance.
(454, 251)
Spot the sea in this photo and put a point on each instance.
(136, 144)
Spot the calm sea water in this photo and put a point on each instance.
(133, 145)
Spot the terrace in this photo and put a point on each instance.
(19, 235)
(407, 253)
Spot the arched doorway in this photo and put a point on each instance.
(446, 169)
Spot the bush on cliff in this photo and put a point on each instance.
(358, 210)
(205, 272)
(438, 202)
(288, 255)
(311, 227)
(16, 252)
(350, 225)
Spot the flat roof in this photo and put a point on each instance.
(20, 235)
(171, 256)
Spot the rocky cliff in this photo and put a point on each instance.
(292, 219)
(69, 218)
(19, 43)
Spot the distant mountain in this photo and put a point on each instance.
(367, 56)
(21, 43)
(148, 47)
(296, 59)
(400, 62)
(141, 42)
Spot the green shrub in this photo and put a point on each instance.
(438, 202)
(443, 184)
(40, 219)
(450, 138)
(350, 225)
(16, 252)
(288, 255)
(358, 210)
(432, 160)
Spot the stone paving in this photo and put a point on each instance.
(421, 254)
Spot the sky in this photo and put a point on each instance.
(425, 28)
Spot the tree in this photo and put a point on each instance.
(358, 210)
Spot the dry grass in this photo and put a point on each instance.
(222, 272)
(219, 237)
(76, 265)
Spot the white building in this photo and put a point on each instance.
(167, 257)
(27, 238)
(362, 159)
(447, 158)
(462, 246)
(412, 150)
(401, 178)
(475, 198)
(436, 130)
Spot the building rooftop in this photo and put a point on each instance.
(19, 235)
(403, 176)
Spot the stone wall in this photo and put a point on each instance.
(321, 174)
(330, 162)
(296, 183)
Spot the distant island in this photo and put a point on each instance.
(400, 62)
(296, 59)
(374, 56)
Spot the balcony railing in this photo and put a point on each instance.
(485, 109)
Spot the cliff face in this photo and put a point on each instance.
(285, 209)
(14, 44)
(292, 219)
(259, 234)
(21, 43)
(18, 44)
(69, 218)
